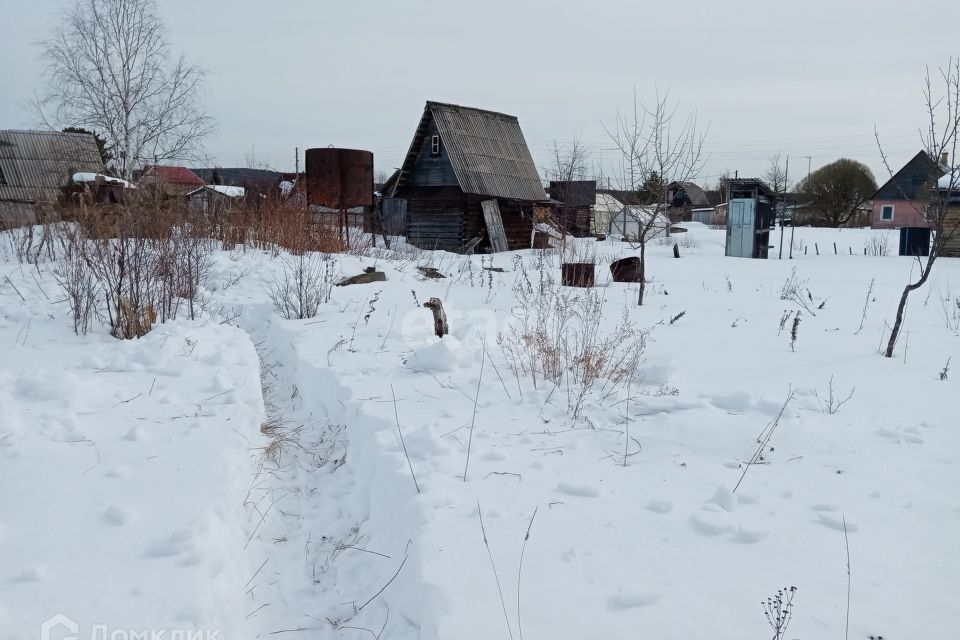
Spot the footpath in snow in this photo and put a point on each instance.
(411, 487)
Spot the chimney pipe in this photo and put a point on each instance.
(945, 159)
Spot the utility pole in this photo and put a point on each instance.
(296, 160)
(783, 213)
(809, 158)
(792, 221)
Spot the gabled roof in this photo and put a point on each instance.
(695, 194)
(34, 165)
(487, 150)
(173, 175)
(224, 190)
(906, 183)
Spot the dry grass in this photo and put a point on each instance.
(147, 261)
(555, 336)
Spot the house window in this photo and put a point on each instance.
(435, 145)
(886, 212)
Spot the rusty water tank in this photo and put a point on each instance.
(339, 178)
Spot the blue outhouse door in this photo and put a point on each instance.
(741, 224)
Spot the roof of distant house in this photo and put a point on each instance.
(87, 176)
(624, 197)
(912, 177)
(575, 193)
(255, 179)
(173, 175)
(230, 192)
(696, 195)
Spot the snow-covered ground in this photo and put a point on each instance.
(140, 494)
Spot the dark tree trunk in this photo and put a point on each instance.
(901, 308)
(643, 273)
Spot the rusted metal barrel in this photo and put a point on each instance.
(577, 274)
(339, 178)
(626, 270)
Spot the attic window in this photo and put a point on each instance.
(886, 212)
(434, 145)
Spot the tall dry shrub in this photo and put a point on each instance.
(304, 283)
(557, 335)
(147, 258)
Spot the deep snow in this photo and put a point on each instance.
(139, 494)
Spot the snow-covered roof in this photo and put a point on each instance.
(606, 202)
(950, 180)
(232, 192)
(645, 213)
(86, 176)
(227, 190)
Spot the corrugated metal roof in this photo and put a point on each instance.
(489, 154)
(36, 164)
(487, 150)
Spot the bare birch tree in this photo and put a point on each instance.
(108, 67)
(940, 140)
(654, 141)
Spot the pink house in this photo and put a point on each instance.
(899, 202)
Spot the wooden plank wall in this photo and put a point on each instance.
(517, 219)
(951, 233)
(435, 218)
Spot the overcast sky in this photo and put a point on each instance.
(805, 78)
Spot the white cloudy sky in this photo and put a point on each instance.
(801, 78)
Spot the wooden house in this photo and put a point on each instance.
(468, 182)
(36, 167)
(169, 181)
(900, 202)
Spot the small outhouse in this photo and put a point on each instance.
(750, 214)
